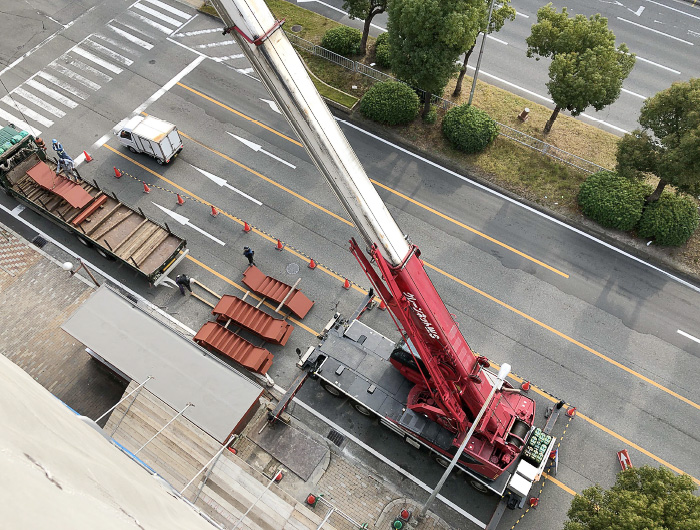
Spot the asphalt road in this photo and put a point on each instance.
(663, 34)
(580, 320)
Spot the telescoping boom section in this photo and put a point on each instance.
(450, 383)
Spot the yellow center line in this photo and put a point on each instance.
(469, 228)
(566, 337)
(559, 483)
(252, 120)
(417, 203)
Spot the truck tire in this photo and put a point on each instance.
(333, 391)
(104, 254)
(478, 486)
(84, 240)
(363, 410)
(132, 149)
(442, 461)
(160, 161)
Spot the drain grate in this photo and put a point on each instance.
(335, 437)
(39, 241)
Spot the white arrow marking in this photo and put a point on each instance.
(222, 182)
(272, 104)
(613, 2)
(623, 460)
(688, 335)
(186, 222)
(256, 147)
(693, 33)
(638, 12)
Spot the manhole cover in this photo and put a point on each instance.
(335, 437)
(292, 268)
(296, 28)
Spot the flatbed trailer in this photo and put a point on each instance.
(352, 361)
(116, 230)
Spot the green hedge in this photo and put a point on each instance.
(342, 40)
(670, 221)
(391, 103)
(612, 200)
(469, 129)
(381, 51)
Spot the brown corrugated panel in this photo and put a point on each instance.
(44, 176)
(270, 287)
(216, 338)
(253, 319)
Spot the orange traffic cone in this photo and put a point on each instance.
(382, 305)
(525, 386)
(180, 200)
(117, 173)
(246, 227)
(88, 158)
(280, 245)
(312, 264)
(346, 285)
(146, 189)
(214, 211)
(571, 412)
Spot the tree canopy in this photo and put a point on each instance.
(668, 145)
(502, 11)
(646, 497)
(365, 10)
(587, 69)
(426, 38)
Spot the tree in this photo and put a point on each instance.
(502, 11)
(668, 145)
(365, 10)
(644, 497)
(586, 69)
(426, 37)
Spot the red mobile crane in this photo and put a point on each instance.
(440, 384)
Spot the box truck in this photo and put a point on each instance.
(153, 136)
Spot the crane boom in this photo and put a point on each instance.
(450, 385)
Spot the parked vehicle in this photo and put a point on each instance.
(153, 136)
(116, 230)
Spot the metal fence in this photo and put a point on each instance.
(504, 130)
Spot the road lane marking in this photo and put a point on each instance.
(272, 105)
(674, 9)
(157, 14)
(688, 335)
(222, 182)
(655, 31)
(559, 483)
(240, 114)
(373, 181)
(255, 147)
(469, 228)
(565, 337)
(184, 221)
(633, 94)
(131, 38)
(657, 64)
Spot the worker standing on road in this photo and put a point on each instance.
(183, 281)
(249, 253)
(40, 144)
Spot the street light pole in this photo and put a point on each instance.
(481, 52)
(498, 384)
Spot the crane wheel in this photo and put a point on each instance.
(363, 410)
(333, 391)
(481, 488)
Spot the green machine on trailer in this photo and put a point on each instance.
(98, 219)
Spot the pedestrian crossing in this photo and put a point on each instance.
(71, 79)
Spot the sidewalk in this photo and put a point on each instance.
(37, 296)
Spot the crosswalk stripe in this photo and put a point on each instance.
(114, 56)
(157, 14)
(48, 107)
(80, 65)
(26, 111)
(217, 44)
(116, 44)
(225, 58)
(133, 38)
(9, 118)
(62, 84)
(171, 9)
(74, 76)
(198, 32)
(95, 59)
(52, 93)
(152, 23)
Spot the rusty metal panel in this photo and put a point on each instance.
(73, 193)
(253, 319)
(216, 338)
(269, 287)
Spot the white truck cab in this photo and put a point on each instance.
(153, 136)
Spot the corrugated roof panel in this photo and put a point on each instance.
(253, 319)
(269, 287)
(215, 337)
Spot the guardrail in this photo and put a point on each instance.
(504, 130)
